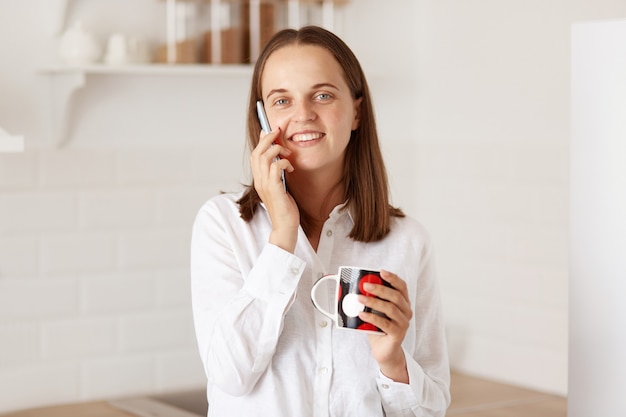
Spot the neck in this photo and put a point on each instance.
(316, 197)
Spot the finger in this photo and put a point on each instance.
(387, 300)
(266, 140)
(390, 327)
(267, 152)
(382, 323)
(392, 295)
(284, 164)
(394, 312)
(396, 282)
(276, 170)
(393, 322)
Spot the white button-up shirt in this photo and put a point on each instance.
(268, 352)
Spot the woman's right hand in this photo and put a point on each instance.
(282, 208)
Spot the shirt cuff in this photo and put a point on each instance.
(396, 397)
(276, 273)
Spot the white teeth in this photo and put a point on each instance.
(305, 137)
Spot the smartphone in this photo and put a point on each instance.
(265, 125)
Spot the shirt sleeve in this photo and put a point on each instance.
(238, 311)
(428, 391)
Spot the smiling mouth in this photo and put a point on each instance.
(306, 137)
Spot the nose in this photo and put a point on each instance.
(303, 111)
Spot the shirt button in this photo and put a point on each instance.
(323, 323)
(294, 270)
(323, 371)
(385, 386)
(329, 233)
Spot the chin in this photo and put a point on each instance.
(312, 165)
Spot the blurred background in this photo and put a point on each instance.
(472, 102)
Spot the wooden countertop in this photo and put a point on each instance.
(88, 409)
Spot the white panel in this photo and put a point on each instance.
(597, 368)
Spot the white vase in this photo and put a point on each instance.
(78, 46)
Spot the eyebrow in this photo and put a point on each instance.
(314, 87)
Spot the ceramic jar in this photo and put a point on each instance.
(78, 46)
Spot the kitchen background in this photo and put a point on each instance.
(472, 100)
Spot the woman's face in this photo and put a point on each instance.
(306, 95)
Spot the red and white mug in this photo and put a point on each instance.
(349, 285)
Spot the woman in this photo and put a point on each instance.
(256, 254)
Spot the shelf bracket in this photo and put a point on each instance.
(63, 88)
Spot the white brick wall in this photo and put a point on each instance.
(66, 254)
(94, 275)
(151, 331)
(118, 376)
(21, 344)
(499, 219)
(119, 292)
(476, 139)
(40, 383)
(37, 211)
(90, 337)
(75, 168)
(28, 298)
(124, 209)
(175, 367)
(18, 171)
(18, 256)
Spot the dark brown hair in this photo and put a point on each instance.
(364, 175)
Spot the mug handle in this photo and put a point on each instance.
(314, 292)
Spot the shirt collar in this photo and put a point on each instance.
(336, 213)
(339, 211)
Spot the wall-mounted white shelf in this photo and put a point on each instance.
(67, 80)
(10, 143)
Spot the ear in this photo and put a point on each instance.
(357, 113)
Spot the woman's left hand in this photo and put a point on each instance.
(394, 303)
